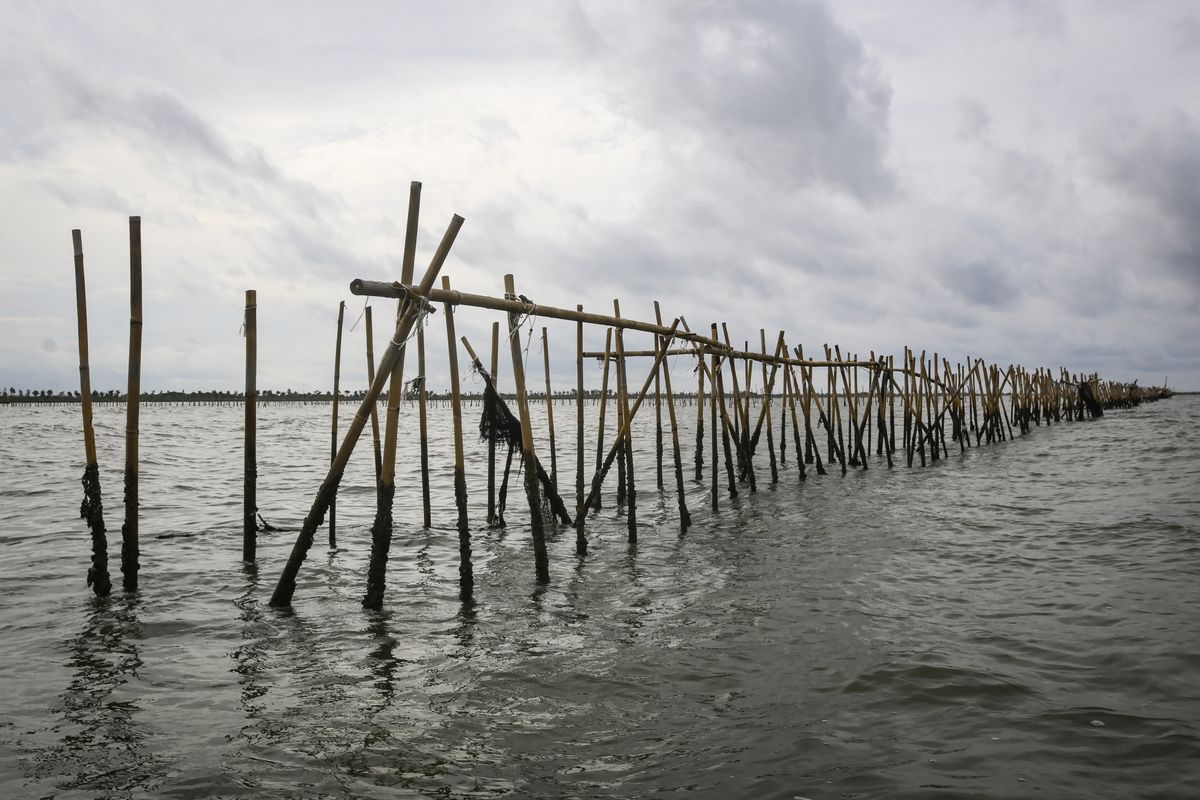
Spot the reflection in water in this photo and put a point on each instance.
(105, 749)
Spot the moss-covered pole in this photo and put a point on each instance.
(286, 587)
(92, 508)
(129, 532)
(466, 576)
(250, 459)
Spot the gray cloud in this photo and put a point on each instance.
(777, 86)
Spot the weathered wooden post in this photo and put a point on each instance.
(699, 458)
(333, 428)
(92, 508)
(579, 416)
(492, 519)
(376, 444)
(286, 586)
(658, 428)
(466, 576)
(250, 460)
(550, 412)
(662, 343)
(528, 457)
(627, 423)
(129, 532)
(603, 404)
(381, 528)
(767, 409)
(423, 429)
(712, 402)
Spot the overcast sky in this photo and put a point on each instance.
(1013, 180)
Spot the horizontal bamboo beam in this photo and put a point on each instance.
(517, 306)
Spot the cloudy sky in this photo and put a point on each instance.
(1013, 180)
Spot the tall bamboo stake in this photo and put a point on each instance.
(627, 426)
(685, 519)
(250, 461)
(712, 403)
(92, 507)
(528, 457)
(286, 587)
(767, 409)
(580, 540)
(699, 458)
(491, 514)
(550, 413)
(466, 577)
(381, 528)
(423, 430)
(129, 532)
(333, 428)
(658, 428)
(603, 403)
(719, 390)
(375, 443)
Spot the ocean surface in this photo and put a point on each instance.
(1019, 621)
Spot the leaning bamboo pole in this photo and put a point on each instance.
(129, 532)
(658, 427)
(685, 519)
(286, 586)
(249, 456)
(92, 507)
(603, 403)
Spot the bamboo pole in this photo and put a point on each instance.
(658, 428)
(712, 403)
(129, 532)
(333, 434)
(466, 577)
(249, 460)
(423, 428)
(286, 586)
(685, 519)
(789, 381)
(92, 507)
(492, 518)
(699, 457)
(626, 439)
(375, 443)
(381, 528)
(579, 417)
(603, 403)
(550, 413)
(528, 457)
(767, 407)
(719, 373)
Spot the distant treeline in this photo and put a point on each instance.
(13, 395)
(25, 396)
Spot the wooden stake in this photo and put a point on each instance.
(423, 425)
(580, 540)
(491, 514)
(685, 519)
(92, 507)
(466, 577)
(333, 434)
(528, 458)
(550, 413)
(250, 461)
(129, 532)
(286, 586)
(603, 403)
(767, 408)
(699, 458)
(375, 443)
(658, 428)
(626, 439)
(381, 528)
